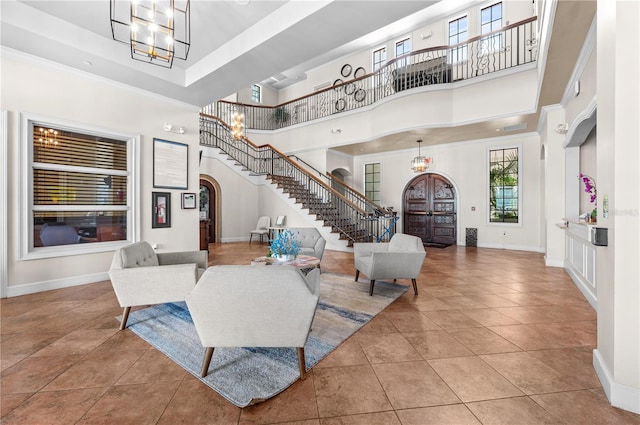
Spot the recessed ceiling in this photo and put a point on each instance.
(233, 43)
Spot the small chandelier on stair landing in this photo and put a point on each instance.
(237, 126)
(420, 163)
(156, 30)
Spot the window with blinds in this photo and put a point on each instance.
(79, 184)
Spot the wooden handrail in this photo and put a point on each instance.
(286, 158)
(388, 63)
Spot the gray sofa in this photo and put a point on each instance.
(249, 306)
(311, 241)
(140, 276)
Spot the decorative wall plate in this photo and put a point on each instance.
(336, 83)
(359, 95)
(341, 104)
(360, 71)
(346, 70)
(350, 88)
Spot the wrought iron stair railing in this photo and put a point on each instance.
(508, 47)
(353, 222)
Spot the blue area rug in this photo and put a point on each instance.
(246, 376)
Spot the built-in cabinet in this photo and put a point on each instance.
(580, 258)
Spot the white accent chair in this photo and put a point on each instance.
(400, 258)
(251, 306)
(262, 228)
(310, 240)
(140, 276)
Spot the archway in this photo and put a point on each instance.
(211, 206)
(430, 210)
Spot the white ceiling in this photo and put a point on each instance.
(233, 43)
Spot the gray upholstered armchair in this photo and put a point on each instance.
(140, 276)
(400, 258)
(310, 240)
(250, 306)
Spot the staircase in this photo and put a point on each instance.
(354, 217)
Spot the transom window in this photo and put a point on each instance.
(504, 171)
(372, 181)
(458, 33)
(79, 188)
(256, 93)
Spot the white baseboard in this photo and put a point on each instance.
(619, 395)
(509, 247)
(47, 285)
(553, 263)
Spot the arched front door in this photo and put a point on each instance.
(430, 210)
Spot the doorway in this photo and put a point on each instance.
(210, 207)
(430, 210)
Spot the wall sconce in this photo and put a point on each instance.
(426, 35)
(562, 128)
(336, 130)
(171, 129)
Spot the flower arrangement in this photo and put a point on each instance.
(590, 188)
(285, 244)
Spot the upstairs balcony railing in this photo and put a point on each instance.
(355, 217)
(511, 46)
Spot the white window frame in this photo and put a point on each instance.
(259, 100)
(488, 185)
(27, 250)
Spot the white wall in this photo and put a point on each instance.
(618, 154)
(465, 164)
(37, 87)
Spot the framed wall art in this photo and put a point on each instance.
(188, 201)
(160, 209)
(170, 164)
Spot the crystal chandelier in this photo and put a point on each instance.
(419, 163)
(156, 30)
(237, 126)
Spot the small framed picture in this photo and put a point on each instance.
(188, 201)
(160, 209)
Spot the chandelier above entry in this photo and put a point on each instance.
(157, 31)
(48, 137)
(237, 126)
(420, 163)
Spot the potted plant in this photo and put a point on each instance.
(280, 115)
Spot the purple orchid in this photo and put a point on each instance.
(590, 188)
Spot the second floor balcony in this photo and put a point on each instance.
(509, 47)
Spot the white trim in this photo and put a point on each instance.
(511, 247)
(26, 249)
(545, 28)
(543, 115)
(619, 395)
(586, 114)
(47, 285)
(4, 214)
